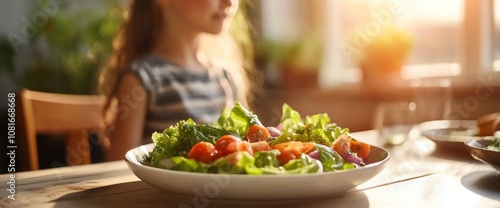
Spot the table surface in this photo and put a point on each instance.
(419, 174)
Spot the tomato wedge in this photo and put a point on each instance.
(260, 146)
(342, 145)
(360, 148)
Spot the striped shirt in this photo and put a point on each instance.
(176, 93)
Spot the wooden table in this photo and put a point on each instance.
(418, 175)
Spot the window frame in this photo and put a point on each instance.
(478, 42)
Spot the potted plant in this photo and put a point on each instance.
(383, 57)
(66, 52)
(298, 62)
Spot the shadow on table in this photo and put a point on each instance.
(130, 194)
(484, 183)
(140, 194)
(355, 198)
(456, 152)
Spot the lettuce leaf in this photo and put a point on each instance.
(183, 164)
(167, 143)
(267, 159)
(330, 159)
(238, 119)
(304, 164)
(316, 128)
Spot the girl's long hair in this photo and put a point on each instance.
(135, 38)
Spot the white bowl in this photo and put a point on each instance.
(254, 187)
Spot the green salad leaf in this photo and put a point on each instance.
(316, 128)
(238, 119)
(330, 159)
(267, 159)
(183, 164)
(304, 164)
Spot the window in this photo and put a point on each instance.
(434, 34)
(450, 38)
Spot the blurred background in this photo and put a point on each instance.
(319, 56)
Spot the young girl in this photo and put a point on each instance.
(173, 60)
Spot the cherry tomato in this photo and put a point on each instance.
(260, 146)
(286, 155)
(203, 152)
(257, 133)
(360, 148)
(228, 144)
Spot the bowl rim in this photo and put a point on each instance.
(469, 144)
(131, 159)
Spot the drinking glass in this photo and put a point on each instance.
(433, 98)
(394, 121)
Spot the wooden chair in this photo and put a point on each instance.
(52, 113)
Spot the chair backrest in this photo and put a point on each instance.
(72, 115)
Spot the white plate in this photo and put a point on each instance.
(251, 187)
(450, 134)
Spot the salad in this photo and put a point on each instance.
(240, 144)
